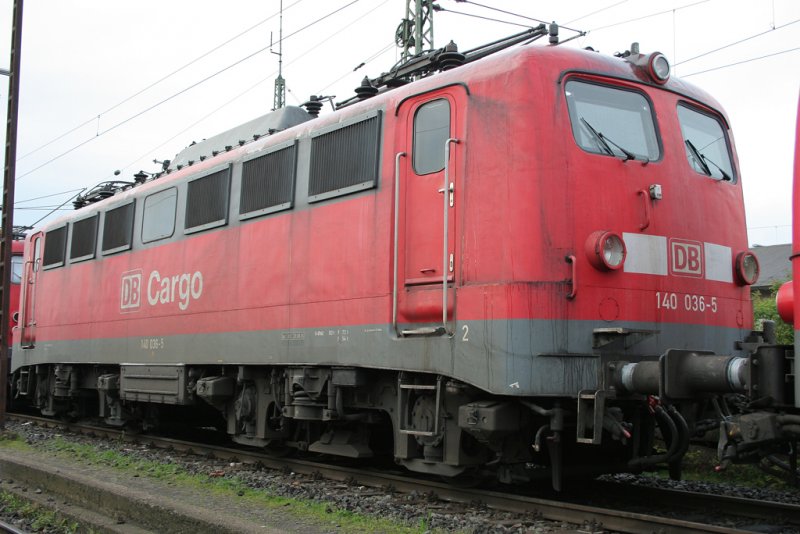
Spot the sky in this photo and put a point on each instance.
(111, 86)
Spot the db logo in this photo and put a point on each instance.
(686, 258)
(131, 297)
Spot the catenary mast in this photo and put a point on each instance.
(415, 32)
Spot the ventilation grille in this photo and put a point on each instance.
(268, 183)
(207, 202)
(118, 229)
(344, 160)
(55, 247)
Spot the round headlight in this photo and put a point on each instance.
(606, 250)
(784, 301)
(659, 67)
(747, 268)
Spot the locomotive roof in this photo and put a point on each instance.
(275, 121)
(551, 62)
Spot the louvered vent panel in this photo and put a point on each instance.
(84, 238)
(118, 228)
(344, 160)
(55, 247)
(207, 201)
(268, 182)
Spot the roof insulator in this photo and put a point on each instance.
(191, 162)
(553, 33)
(242, 142)
(313, 105)
(180, 167)
(366, 89)
(202, 158)
(228, 148)
(214, 153)
(451, 57)
(256, 137)
(140, 177)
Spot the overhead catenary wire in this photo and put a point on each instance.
(182, 91)
(596, 12)
(37, 208)
(360, 65)
(484, 18)
(46, 196)
(741, 62)
(310, 49)
(59, 208)
(491, 8)
(643, 17)
(153, 84)
(737, 42)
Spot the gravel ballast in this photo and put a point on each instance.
(415, 511)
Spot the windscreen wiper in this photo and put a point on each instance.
(599, 138)
(703, 161)
(725, 175)
(603, 141)
(698, 157)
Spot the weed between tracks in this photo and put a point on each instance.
(34, 517)
(226, 486)
(699, 463)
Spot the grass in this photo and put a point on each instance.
(37, 517)
(227, 486)
(699, 465)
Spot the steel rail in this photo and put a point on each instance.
(11, 529)
(549, 509)
(721, 504)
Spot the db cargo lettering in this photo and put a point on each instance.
(180, 288)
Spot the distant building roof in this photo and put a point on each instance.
(775, 264)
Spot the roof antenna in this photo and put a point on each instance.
(279, 99)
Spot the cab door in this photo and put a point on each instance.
(28, 308)
(429, 166)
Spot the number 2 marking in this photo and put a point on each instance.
(465, 328)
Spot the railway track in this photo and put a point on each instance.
(8, 528)
(609, 516)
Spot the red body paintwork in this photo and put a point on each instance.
(525, 197)
(17, 250)
(788, 299)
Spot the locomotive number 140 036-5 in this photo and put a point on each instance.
(687, 302)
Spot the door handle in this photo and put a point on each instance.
(452, 190)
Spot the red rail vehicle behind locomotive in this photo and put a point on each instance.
(17, 251)
(524, 264)
(788, 305)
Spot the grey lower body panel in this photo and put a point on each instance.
(504, 357)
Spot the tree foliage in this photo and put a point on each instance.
(764, 308)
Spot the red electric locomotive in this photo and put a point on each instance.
(523, 262)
